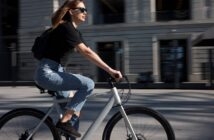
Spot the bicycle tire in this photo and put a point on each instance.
(18, 123)
(144, 121)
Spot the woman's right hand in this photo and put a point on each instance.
(67, 4)
(116, 75)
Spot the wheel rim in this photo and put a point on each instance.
(20, 127)
(146, 128)
(25, 135)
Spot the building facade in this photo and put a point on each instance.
(136, 36)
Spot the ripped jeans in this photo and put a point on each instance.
(50, 75)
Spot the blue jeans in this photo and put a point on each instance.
(50, 75)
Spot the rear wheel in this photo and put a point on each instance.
(147, 124)
(19, 124)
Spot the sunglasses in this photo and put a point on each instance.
(81, 9)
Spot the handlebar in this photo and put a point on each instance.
(112, 80)
(124, 95)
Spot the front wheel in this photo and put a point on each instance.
(147, 124)
(18, 124)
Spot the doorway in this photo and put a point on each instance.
(9, 25)
(111, 53)
(173, 60)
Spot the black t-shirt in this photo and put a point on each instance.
(62, 40)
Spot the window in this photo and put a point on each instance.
(167, 10)
(109, 11)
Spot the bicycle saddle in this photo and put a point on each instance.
(43, 90)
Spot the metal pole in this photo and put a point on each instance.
(13, 61)
(0, 25)
(176, 70)
(210, 67)
(177, 79)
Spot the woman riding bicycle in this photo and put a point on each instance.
(64, 38)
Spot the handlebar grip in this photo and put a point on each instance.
(116, 75)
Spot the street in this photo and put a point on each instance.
(190, 112)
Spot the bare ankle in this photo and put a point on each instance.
(67, 116)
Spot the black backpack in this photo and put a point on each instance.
(40, 44)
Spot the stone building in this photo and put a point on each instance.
(135, 36)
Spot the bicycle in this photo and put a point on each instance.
(130, 123)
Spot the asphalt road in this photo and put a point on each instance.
(190, 112)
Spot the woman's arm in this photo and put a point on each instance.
(93, 57)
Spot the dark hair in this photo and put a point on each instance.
(72, 3)
(67, 17)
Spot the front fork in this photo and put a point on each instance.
(122, 111)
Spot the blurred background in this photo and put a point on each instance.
(149, 40)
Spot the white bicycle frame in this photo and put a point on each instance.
(115, 99)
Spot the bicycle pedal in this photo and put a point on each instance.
(65, 133)
(62, 133)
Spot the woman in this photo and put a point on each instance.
(64, 38)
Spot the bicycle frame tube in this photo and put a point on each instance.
(99, 119)
(122, 111)
(54, 105)
(43, 119)
(114, 99)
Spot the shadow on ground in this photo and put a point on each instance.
(190, 112)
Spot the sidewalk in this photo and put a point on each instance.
(186, 85)
(190, 112)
